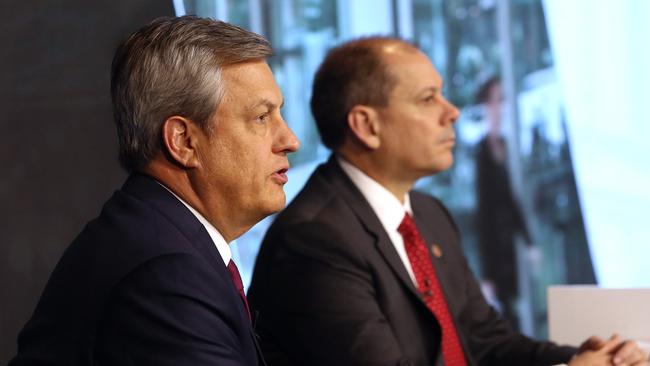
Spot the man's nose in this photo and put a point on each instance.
(452, 112)
(287, 141)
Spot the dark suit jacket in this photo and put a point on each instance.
(143, 284)
(499, 219)
(332, 290)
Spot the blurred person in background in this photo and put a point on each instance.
(499, 217)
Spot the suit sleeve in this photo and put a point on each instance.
(170, 311)
(316, 271)
(493, 342)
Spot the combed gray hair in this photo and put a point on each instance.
(172, 66)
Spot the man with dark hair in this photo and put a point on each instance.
(151, 280)
(359, 269)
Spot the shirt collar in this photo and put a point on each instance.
(387, 207)
(215, 235)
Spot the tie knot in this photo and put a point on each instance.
(407, 226)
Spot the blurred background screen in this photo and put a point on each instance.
(559, 197)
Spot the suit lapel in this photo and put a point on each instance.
(343, 186)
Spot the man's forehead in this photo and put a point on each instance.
(252, 81)
(246, 71)
(415, 68)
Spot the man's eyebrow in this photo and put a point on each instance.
(432, 89)
(265, 103)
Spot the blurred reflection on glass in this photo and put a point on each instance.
(499, 217)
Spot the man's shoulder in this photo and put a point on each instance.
(127, 223)
(127, 233)
(317, 200)
(320, 216)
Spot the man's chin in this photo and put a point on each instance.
(442, 165)
(434, 168)
(275, 205)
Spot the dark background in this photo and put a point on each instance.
(58, 143)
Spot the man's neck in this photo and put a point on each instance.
(180, 182)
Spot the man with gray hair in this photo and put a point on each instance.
(151, 280)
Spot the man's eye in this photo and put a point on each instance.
(263, 118)
(428, 98)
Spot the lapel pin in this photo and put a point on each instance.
(435, 249)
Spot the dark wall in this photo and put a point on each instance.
(57, 142)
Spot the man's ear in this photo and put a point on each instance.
(364, 124)
(180, 140)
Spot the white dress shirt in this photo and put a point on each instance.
(386, 206)
(215, 235)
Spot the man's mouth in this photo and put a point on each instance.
(280, 176)
(449, 140)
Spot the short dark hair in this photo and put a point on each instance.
(353, 73)
(172, 66)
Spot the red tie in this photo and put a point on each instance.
(236, 279)
(431, 292)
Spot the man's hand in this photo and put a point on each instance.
(624, 353)
(629, 353)
(595, 352)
